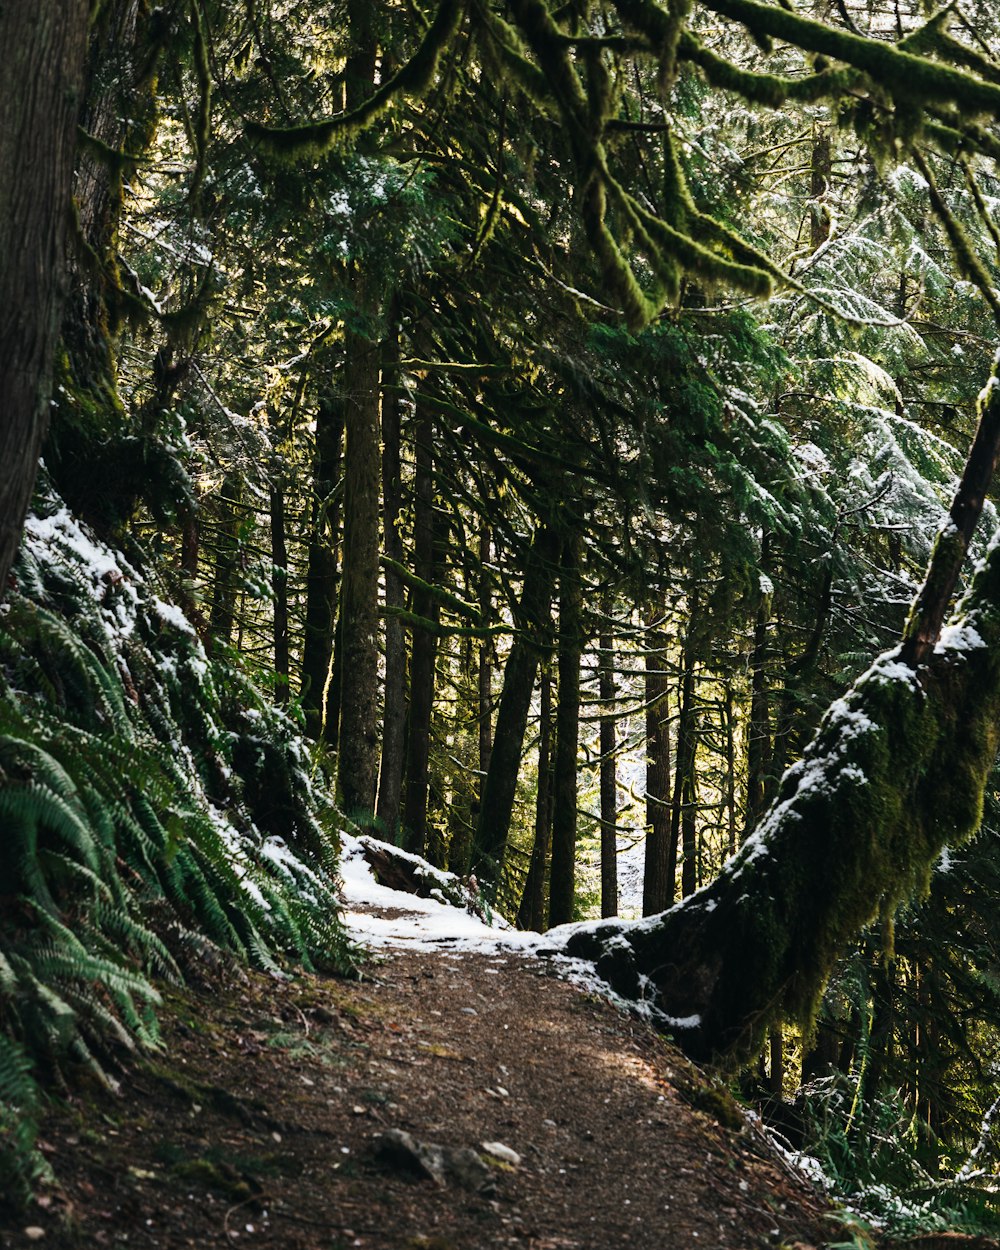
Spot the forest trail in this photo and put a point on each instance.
(264, 1121)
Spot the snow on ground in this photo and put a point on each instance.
(377, 916)
(382, 919)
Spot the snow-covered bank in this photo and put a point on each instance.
(378, 916)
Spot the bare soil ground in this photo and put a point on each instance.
(260, 1125)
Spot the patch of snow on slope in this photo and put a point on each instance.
(414, 923)
(383, 919)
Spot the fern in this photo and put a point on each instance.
(21, 1164)
(119, 864)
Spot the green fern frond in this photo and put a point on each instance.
(21, 1164)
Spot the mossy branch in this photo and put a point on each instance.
(961, 245)
(438, 593)
(923, 627)
(900, 72)
(412, 79)
(982, 208)
(415, 621)
(117, 162)
(771, 90)
(507, 44)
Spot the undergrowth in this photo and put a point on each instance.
(155, 809)
(879, 1164)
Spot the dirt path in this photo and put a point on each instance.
(261, 1126)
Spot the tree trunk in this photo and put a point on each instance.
(358, 764)
(562, 884)
(390, 781)
(759, 728)
(119, 117)
(39, 105)
(609, 777)
(334, 689)
(321, 569)
(660, 864)
(358, 624)
(730, 801)
(485, 675)
(533, 623)
(227, 554)
(460, 850)
(683, 829)
(422, 661)
(895, 772)
(531, 914)
(878, 1051)
(819, 188)
(279, 588)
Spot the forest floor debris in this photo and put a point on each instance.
(462, 1097)
(261, 1124)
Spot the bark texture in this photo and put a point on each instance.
(609, 779)
(424, 656)
(358, 764)
(500, 785)
(44, 46)
(390, 779)
(322, 569)
(358, 625)
(659, 865)
(562, 884)
(531, 914)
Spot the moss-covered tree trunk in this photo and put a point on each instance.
(97, 449)
(895, 772)
(44, 46)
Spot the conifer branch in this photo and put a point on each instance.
(413, 79)
(899, 71)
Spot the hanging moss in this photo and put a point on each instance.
(506, 45)
(901, 72)
(961, 245)
(294, 143)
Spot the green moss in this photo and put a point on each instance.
(714, 1101)
(903, 73)
(314, 139)
(896, 772)
(220, 1176)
